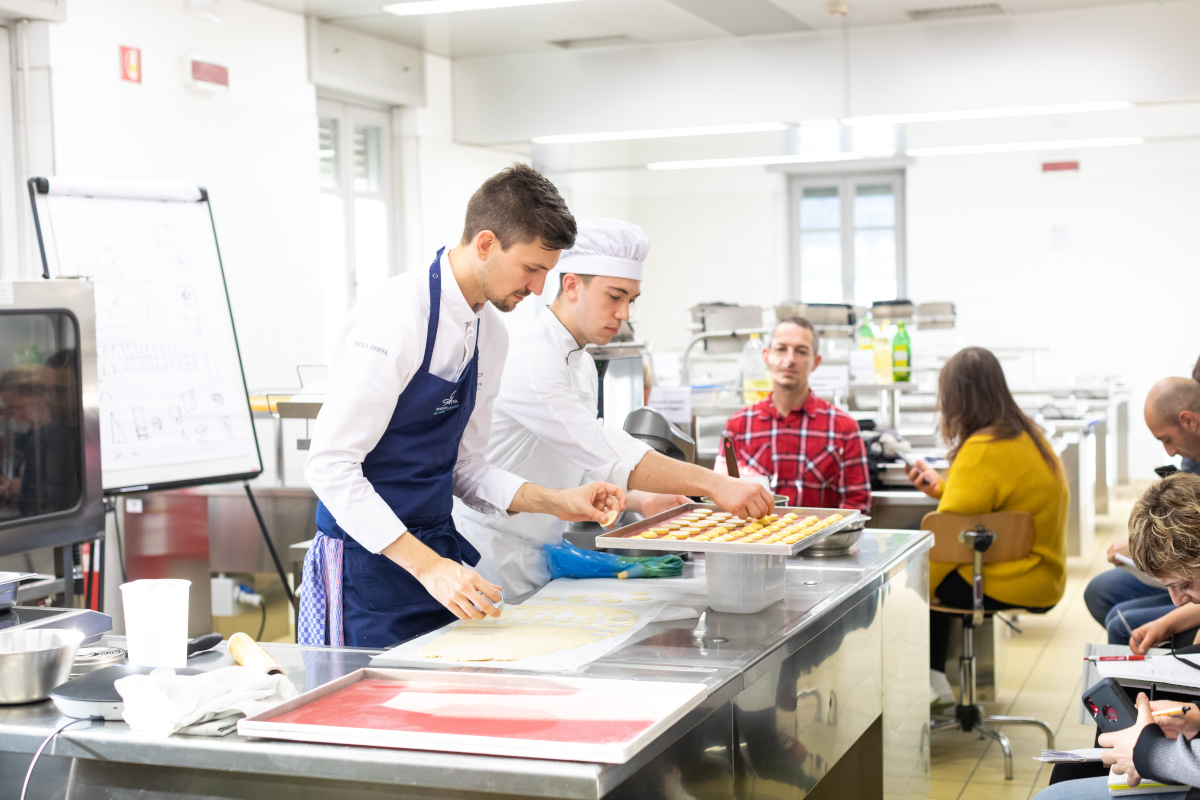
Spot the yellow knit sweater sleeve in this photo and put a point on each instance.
(971, 487)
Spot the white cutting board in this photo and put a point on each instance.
(669, 599)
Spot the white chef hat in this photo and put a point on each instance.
(608, 247)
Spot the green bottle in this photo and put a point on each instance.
(902, 356)
(864, 334)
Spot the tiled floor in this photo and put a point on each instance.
(1039, 675)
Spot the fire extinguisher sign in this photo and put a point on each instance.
(131, 64)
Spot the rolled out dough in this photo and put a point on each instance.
(515, 635)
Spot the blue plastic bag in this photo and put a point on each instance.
(568, 561)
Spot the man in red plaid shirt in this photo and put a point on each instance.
(810, 450)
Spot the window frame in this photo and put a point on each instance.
(349, 115)
(845, 183)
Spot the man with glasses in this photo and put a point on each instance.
(545, 427)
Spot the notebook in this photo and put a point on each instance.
(1117, 787)
(1159, 669)
(1070, 756)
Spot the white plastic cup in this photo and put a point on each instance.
(156, 622)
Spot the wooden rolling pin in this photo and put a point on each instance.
(246, 652)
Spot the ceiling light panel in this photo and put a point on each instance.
(1025, 147)
(417, 8)
(660, 133)
(991, 113)
(751, 161)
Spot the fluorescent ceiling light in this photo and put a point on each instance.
(991, 113)
(660, 133)
(751, 161)
(421, 7)
(1022, 147)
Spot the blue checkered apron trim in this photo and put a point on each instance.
(320, 618)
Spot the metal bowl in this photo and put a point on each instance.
(32, 662)
(780, 499)
(838, 544)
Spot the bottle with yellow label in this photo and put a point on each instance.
(864, 337)
(882, 345)
(901, 356)
(756, 383)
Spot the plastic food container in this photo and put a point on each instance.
(744, 584)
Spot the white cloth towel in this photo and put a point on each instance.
(206, 705)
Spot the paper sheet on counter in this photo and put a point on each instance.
(670, 599)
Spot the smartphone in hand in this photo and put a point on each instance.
(1109, 706)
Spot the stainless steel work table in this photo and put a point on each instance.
(822, 695)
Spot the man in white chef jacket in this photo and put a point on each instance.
(545, 426)
(405, 420)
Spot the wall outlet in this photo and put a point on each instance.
(222, 597)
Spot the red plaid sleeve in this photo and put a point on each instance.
(854, 481)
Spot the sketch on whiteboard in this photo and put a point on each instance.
(117, 435)
(171, 388)
(164, 235)
(116, 358)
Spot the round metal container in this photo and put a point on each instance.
(32, 662)
(780, 500)
(837, 544)
(90, 659)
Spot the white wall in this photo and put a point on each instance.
(1101, 266)
(252, 148)
(1139, 51)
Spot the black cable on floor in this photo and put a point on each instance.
(50, 738)
(262, 526)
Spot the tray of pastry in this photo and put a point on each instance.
(704, 528)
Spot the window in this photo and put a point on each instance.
(355, 228)
(847, 238)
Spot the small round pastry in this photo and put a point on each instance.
(649, 535)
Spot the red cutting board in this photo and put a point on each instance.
(572, 719)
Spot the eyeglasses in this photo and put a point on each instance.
(1179, 658)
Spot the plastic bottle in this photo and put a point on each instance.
(865, 336)
(756, 384)
(882, 345)
(901, 356)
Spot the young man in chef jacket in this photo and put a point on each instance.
(405, 420)
(545, 426)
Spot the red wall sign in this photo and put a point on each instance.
(131, 64)
(1060, 166)
(215, 74)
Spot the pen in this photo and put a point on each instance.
(1124, 622)
(1179, 711)
(1115, 658)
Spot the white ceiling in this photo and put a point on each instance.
(544, 28)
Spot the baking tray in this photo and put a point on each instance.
(524, 716)
(616, 538)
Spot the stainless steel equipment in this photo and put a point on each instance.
(832, 320)
(620, 536)
(621, 384)
(64, 505)
(664, 436)
(839, 543)
(92, 624)
(32, 662)
(710, 318)
(9, 581)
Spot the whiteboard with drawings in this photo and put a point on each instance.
(174, 410)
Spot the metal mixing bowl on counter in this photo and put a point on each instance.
(32, 662)
(838, 544)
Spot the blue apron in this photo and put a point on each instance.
(412, 469)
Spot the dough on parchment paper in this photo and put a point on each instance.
(515, 636)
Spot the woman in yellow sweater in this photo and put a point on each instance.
(999, 462)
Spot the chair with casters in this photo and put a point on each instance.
(978, 540)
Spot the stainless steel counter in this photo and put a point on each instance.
(800, 704)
